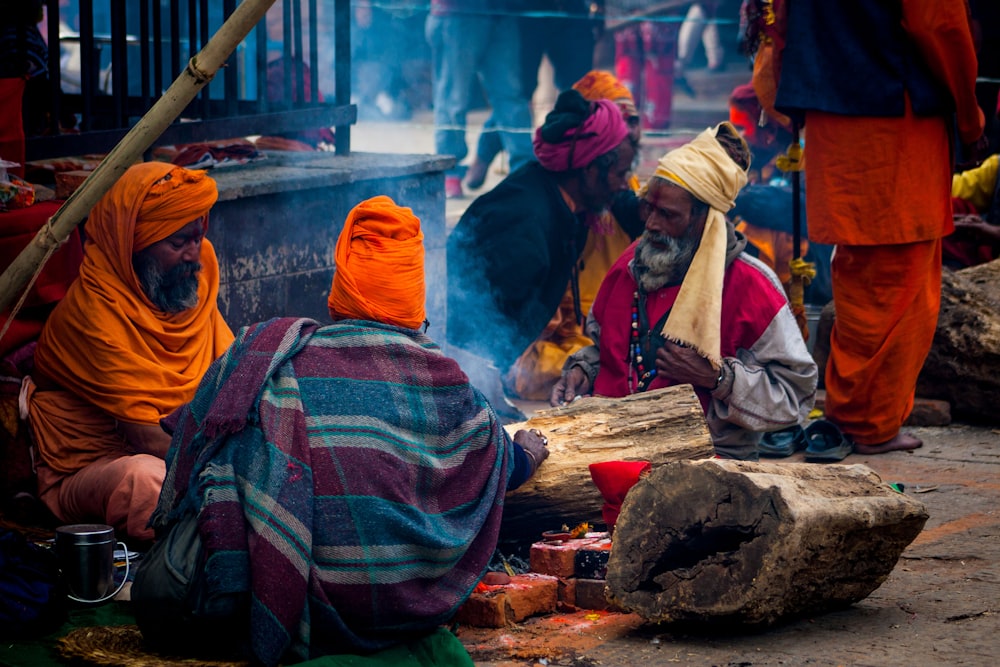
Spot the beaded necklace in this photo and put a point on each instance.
(640, 360)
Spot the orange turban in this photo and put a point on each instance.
(600, 85)
(380, 266)
(105, 341)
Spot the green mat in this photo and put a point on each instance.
(41, 651)
(442, 648)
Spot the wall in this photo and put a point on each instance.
(276, 225)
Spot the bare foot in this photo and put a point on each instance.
(902, 442)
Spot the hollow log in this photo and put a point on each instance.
(656, 426)
(963, 366)
(734, 541)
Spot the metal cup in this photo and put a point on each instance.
(86, 555)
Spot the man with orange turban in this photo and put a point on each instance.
(365, 476)
(126, 347)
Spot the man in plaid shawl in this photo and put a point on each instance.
(347, 480)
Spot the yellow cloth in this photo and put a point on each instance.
(977, 186)
(380, 266)
(703, 168)
(105, 342)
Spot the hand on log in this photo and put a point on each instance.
(656, 426)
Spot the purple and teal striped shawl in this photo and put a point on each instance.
(348, 476)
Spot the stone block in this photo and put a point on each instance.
(591, 560)
(929, 412)
(590, 594)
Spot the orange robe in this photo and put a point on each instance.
(106, 354)
(880, 188)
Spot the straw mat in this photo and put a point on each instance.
(122, 646)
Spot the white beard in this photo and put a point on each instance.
(655, 267)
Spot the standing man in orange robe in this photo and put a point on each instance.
(881, 88)
(126, 347)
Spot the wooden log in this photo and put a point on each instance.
(963, 366)
(656, 426)
(734, 541)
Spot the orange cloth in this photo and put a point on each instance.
(881, 335)
(380, 266)
(105, 342)
(776, 248)
(601, 85)
(880, 189)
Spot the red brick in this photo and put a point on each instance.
(557, 559)
(532, 594)
(526, 595)
(567, 591)
(484, 610)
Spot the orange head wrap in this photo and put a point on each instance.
(380, 266)
(601, 85)
(151, 201)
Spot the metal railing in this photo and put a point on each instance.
(109, 60)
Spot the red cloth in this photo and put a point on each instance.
(11, 125)
(602, 132)
(17, 228)
(614, 479)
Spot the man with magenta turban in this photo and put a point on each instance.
(516, 250)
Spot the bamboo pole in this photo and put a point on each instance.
(200, 70)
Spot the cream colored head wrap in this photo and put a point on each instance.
(705, 169)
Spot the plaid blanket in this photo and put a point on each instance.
(347, 476)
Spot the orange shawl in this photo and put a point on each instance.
(380, 266)
(105, 341)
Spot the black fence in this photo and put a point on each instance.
(110, 60)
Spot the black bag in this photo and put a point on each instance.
(171, 606)
(32, 594)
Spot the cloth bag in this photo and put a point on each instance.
(169, 601)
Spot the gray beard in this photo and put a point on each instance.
(170, 291)
(654, 268)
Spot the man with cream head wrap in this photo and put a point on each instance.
(126, 347)
(365, 475)
(685, 305)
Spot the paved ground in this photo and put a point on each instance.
(940, 605)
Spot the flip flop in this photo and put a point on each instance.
(783, 443)
(827, 444)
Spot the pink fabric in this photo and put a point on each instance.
(119, 491)
(600, 133)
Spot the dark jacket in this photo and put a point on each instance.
(510, 260)
(855, 59)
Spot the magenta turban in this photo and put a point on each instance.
(570, 139)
